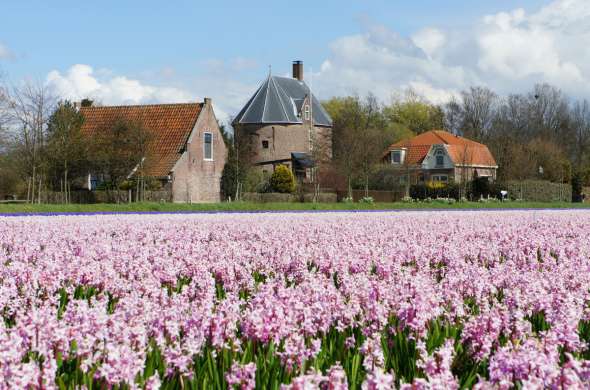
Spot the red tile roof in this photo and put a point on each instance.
(461, 150)
(169, 125)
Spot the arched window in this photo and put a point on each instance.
(440, 157)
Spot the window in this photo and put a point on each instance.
(307, 116)
(208, 146)
(440, 157)
(265, 144)
(396, 157)
(440, 178)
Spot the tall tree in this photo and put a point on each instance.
(29, 109)
(119, 151)
(360, 135)
(414, 113)
(581, 131)
(66, 149)
(477, 112)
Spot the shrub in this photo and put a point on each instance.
(482, 187)
(282, 180)
(434, 190)
(367, 200)
(387, 179)
(256, 181)
(577, 187)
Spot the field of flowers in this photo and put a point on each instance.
(296, 301)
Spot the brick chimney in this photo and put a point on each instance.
(207, 101)
(298, 70)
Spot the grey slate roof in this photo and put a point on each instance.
(279, 100)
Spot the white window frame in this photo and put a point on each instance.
(440, 178)
(399, 153)
(205, 146)
(307, 112)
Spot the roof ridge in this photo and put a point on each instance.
(266, 96)
(143, 105)
(253, 99)
(277, 86)
(435, 132)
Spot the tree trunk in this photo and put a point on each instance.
(29, 190)
(39, 198)
(33, 181)
(349, 183)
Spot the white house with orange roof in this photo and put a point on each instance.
(440, 156)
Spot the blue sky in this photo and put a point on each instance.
(190, 49)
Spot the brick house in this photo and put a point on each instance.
(440, 156)
(283, 123)
(185, 151)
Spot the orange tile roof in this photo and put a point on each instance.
(461, 150)
(169, 125)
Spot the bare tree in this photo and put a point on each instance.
(478, 113)
(581, 130)
(29, 109)
(548, 110)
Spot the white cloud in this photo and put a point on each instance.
(5, 52)
(102, 85)
(80, 81)
(430, 40)
(509, 52)
(383, 62)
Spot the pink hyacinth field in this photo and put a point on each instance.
(378, 300)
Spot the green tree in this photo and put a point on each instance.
(360, 135)
(282, 180)
(65, 148)
(119, 151)
(413, 114)
(234, 174)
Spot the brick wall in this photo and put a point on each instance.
(196, 179)
(282, 140)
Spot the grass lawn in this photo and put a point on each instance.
(245, 206)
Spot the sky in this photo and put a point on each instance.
(134, 52)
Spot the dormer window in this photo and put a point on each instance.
(307, 112)
(440, 157)
(397, 156)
